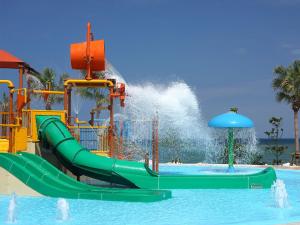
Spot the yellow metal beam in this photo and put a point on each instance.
(9, 125)
(88, 82)
(87, 127)
(9, 83)
(48, 92)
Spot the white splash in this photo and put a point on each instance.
(77, 101)
(182, 127)
(11, 211)
(35, 83)
(245, 146)
(63, 209)
(280, 194)
(112, 73)
(175, 105)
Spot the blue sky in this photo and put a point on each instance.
(225, 50)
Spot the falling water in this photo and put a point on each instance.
(11, 211)
(183, 132)
(35, 83)
(76, 101)
(244, 148)
(63, 209)
(181, 125)
(280, 194)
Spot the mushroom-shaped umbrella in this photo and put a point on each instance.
(230, 120)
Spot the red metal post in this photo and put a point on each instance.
(21, 72)
(120, 150)
(66, 102)
(88, 53)
(69, 93)
(28, 107)
(111, 123)
(156, 145)
(153, 146)
(155, 151)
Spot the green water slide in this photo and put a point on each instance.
(54, 134)
(44, 178)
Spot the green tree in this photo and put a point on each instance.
(287, 87)
(48, 80)
(275, 134)
(94, 94)
(234, 109)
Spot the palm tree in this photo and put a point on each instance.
(48, 80)
(4, 107)
(287, 85)
(95, 94)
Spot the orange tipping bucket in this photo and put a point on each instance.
(79, 56)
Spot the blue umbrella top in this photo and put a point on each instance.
(230, 120)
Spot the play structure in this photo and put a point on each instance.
(230, 121)
(44, 148)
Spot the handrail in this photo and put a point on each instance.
(95, 81)
(9, 83)
(48, 92)
(88, 127)
(9, 125)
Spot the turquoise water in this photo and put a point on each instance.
(186, 207)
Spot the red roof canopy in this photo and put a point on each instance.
(9, 61)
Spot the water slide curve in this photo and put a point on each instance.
(54, 134)
(46, 179)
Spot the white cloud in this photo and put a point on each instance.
(286, 45)
(295, 51)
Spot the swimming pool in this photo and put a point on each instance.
(186, 207)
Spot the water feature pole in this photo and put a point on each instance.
(230, 120)
(230, 149)
(120, 149)
(155, 151)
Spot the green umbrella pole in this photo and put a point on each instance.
(230, 148)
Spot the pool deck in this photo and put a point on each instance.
(238, 165)
(294, 223)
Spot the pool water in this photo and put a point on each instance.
(186, 207)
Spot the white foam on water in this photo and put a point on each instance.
(11, 211)
(280, 194)
(63, 209)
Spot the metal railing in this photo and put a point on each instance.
(5, 125)
(94, 138)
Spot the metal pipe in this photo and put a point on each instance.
(156, 145)
(48, 92)
(120, 150)
(66, 102)
(11, 119)
(88, 53)
(69, 111)
(9, 125)
(86, 127)
(92, 120)
(111, 124)
(230, 149)
(21, 72)
(153, 146)
(88, 82)
(9, 83)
